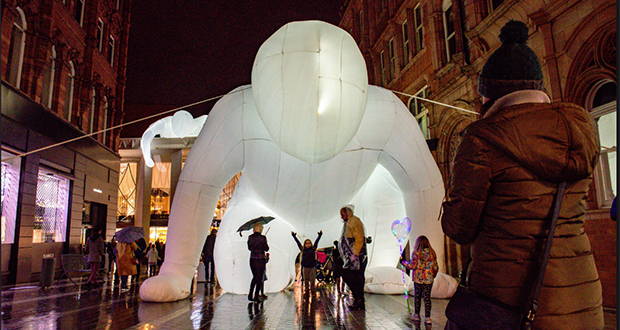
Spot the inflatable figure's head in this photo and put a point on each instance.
(309, 83)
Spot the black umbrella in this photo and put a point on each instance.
(250, 224)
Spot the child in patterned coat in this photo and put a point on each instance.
(424, 269)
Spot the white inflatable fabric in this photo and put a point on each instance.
(386, 280)
(444, 286)
(316, 69)
(179, 125)
(385, 156)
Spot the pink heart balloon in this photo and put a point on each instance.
(401, 229)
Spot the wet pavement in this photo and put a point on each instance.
(66, 306)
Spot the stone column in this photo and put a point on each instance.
(175, 171)
(143, 198)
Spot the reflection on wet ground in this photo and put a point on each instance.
(66, 306)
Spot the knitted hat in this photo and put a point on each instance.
(512, 67)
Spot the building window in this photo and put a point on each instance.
(405, 34)
(420, 112)
(78, 12)
(48, 80)
(100, 35)
(16, 49)
(493, 4)
(111, 43)
(392, 55)
(70, 89)
(160, 190)
(361, 23)
(419, 29)
(106, 107)
(604, 114)
(383, 66)
(10, 190)
(127, 192)
(52, 208)
(448, 27)
(93, 112)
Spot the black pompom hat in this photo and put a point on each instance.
(512, 67)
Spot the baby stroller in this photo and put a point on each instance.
(324, 262)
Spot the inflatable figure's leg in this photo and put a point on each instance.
(187, 229)
(232, 257)
(216, 156)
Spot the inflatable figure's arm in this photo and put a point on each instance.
(217, 155)
(179, 125)
(147, 139)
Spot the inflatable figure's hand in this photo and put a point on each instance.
(179, 125)
(165, 288)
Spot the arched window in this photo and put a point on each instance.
(48, 80)
(106, 107)
(603, 104)
(16, 49)
(93, 112)
(70, 89)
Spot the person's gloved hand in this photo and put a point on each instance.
(320, 233)
(294, 234)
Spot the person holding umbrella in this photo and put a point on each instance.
(126, 260)
(257, 244)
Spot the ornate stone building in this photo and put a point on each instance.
(63, 65)
(436, 48)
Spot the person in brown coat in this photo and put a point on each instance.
(503, 184)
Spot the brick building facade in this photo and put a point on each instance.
(436, 49)
(63, 65)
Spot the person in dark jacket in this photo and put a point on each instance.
(337, 269)
(257, 244)
(504, 179)
(207, 257)
(109, 249)
(308, 261)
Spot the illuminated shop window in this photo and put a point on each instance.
(10, 188)
(51, 209)
(127, 192)
(158, 234)
(160, 190)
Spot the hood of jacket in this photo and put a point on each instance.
(555, 141)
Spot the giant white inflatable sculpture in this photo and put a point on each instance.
(309, 136)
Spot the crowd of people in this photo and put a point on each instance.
(124, 259)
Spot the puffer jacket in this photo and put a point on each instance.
(504, 181)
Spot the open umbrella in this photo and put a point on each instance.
(250, 224)
(129, 234)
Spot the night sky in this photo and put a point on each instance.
(182, 51)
